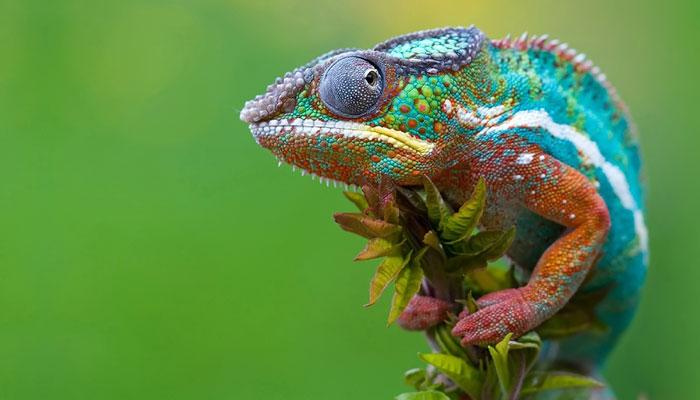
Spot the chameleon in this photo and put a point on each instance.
(535, 119)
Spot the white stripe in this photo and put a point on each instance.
(542, 119)
(525, 158)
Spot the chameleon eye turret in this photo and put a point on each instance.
(351, 87)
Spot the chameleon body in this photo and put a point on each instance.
(540, 123)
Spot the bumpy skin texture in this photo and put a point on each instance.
(535, 119)
(423, 312)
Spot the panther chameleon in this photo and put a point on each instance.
(538, 121)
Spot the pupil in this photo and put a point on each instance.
(371, 77)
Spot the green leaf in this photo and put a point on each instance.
(378, 247)
(415, 377)
(470, 303)
(518, 365)
(391, 212)
(559, 380)
(432, 240)
(426, 395)
(530, 340)
(467, 377)
(489, 385)
(528, 344)
(570, 321)
(500, 246)
(438, 210)
(499, 354)
(407, 285)
(460, 225)
(524, 353)
(386, 272)
(448, 343)
(489, 279)
(483, 242)
(465, 263)
(366, 226)
(358, 199)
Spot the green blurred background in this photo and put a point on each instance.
(149, 249)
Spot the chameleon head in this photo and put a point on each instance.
(354, 116)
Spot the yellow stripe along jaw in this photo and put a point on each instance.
(420, 146)
(309, 127)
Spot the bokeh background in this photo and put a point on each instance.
(149, 249)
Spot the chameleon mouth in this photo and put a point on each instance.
(310, 127)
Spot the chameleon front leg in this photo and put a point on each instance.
(559, 193)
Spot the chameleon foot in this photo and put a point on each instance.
(423, 312)
(502, 313)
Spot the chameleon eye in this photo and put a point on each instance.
(351, 87)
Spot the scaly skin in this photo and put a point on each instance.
(535, 119)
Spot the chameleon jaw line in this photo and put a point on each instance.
(311, 127)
